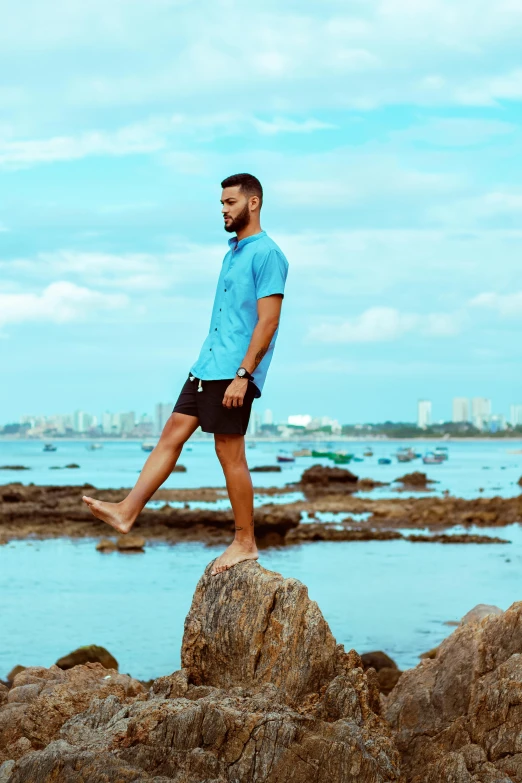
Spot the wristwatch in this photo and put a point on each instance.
(243, 373)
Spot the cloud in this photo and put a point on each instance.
(384, 324)
(506, 305)
(60, 302)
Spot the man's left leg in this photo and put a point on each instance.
(230, 450)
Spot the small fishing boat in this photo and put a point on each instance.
(285, 457)
(341, 459)
(368, 453)
(441, 451)
(358, 459)
(430, 458)
(405, 455)
(302, 453)
(94, 446)
(148, 446)
(316, 453)
(50, 447)
(384, 461)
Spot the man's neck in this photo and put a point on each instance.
(248, 231)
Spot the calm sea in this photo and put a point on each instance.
(390, 595)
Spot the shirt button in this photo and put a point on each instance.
(215, 329)
(225, 290)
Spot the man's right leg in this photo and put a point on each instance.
(156, 470)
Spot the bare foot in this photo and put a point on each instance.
(234, 554)
(112, 513)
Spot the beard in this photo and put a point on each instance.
(240, 222)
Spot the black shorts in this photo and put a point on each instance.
(208, 406)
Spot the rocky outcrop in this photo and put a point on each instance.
(265, 695)
(415, 479)
(388, 672)
(457, 717)
(90, 653)
(322, 476)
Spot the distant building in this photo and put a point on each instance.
(423, 414)
(106, 423)
(162, 414)
(480, 412)
(128, 421)
(497, 422)
(460, 410)
(268, 417)
(515, 415)
(254, 424)
(300, 419)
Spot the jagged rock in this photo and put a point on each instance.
(41, 700)
(478, 613)
(265, 696)
(14, 671)
(90, 653)
(388, 672)
(458, 717)
(323, 476)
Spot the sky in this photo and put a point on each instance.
(387, 135)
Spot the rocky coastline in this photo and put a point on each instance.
(266, 695)
(31, 511)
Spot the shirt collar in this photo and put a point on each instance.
(235, 245)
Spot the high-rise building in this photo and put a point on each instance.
(480, 412)
(460, 410)
(268, 417)
(515, 415)
(107, 423)
(254, 423)
(81, 421)
(162, 414)
(127, 422)
(423, 414)
(300, 419)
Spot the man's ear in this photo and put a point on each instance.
(254, 202)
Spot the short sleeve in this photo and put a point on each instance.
(270, 275)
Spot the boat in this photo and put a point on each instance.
(50, 447)
(430, 458)
(358, 459)
(441, 451)
(94, 446)
(320, 453)
(384, 461)
(285, 458)
(405, 455)
(148, 446)
(302, 453)
(368, 453)
(341, 459)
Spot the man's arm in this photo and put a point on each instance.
(268, 313)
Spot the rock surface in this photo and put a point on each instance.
(91, 653)
(458, 717)
(265, 696)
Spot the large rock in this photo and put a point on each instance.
(265, 696)
(324, 476)
(458, 717)
(252, 626)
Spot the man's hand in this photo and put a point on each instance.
(235, 393)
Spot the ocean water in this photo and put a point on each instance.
(490, 466)
(395, 596)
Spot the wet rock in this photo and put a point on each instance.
(457, 717)
(130, 542)
(12, 497)
(456, 538)
(415, 479)
(266, 469)
(478, 613)
(106, 545)
(72, 465)
(325, 531)
(91, 653)
(14, 467)
(519, 482)
(14, 671)
(265, 695)
(324, 476)
(179, 469)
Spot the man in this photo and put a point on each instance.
(229, 373)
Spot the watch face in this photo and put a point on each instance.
(241, 371)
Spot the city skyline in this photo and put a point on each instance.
(477, 411)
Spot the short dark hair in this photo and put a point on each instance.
(249, 184)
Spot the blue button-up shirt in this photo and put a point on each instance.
(253, 267)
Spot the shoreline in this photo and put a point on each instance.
(51, 511)
(261, 439)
